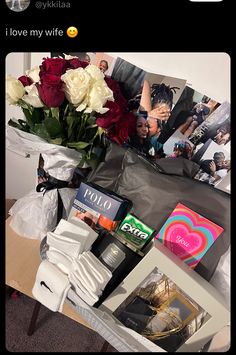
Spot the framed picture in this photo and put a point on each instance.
(168, 304)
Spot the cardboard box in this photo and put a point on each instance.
(92, 202)
(193, 288)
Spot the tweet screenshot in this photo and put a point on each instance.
(117, 176)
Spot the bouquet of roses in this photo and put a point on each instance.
(69, 107)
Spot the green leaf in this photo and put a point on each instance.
(24, 105)
(91, 120)
(55, 112)
(91, 126)
(78, 145)
(57, 141)
(41, 131)
(65, 111)
(28, 116)
(37, 115)
(53, 127)
(83, 159)
(71, 121)
(47, 113)
(22, 125)
(100, 131)
(80, 129)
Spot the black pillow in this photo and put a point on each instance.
(155, 195)
(107, 172)
(177, 166)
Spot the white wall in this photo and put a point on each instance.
(20, 171)
(208, 73)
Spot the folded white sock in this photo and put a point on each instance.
(89, 281)
(98, 275)
(92, 234)
(72, 231)
(63, 262)
(65, 244)
(62, 253)
(82, 292)
(96, 264)
(51, 286)
(89, 275)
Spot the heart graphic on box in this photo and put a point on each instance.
(184, 241)
(188, 234)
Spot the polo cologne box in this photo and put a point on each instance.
(97, 206)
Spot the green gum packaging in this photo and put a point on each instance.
(135, 232)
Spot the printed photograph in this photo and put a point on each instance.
(214, 161)
(152, 110)
(105, 63)
(202, 107)
(178, 146)
(177, 85)
(161, 311)
(129, 76)
(217, 127)
(224, 184)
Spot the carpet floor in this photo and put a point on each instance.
(54, 332)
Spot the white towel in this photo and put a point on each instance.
(51, 286)
(67, 245)
(92, 234)
(62, 253)
(74, 232)
(89, 276)
(82, 292)
(88, 280)
(96, 264)
(62, 261)
(98, 273)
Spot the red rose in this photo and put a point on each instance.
(123, 129)
(118, 97)
(54, 66)
(75, 63)
(25, 80)
(50, 90)
(110, 117)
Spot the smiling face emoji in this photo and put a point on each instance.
(72, 32)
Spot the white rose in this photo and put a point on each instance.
(77, 83)
(33, 74)
(98, 96)
(95, 72)
(32, 96)
(14, 90)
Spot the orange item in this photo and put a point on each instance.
(107, 223)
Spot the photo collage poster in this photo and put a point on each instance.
(171, 119)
